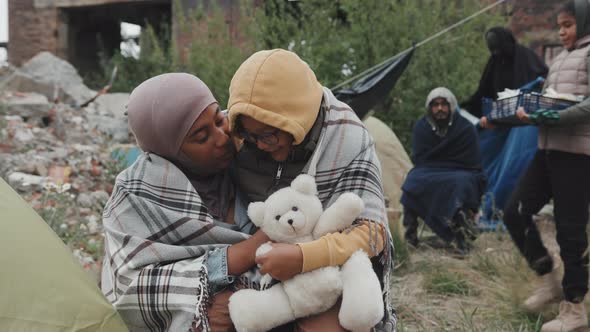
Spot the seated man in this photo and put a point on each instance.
(446, 184)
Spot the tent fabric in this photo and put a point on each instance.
(507, 151)
(506, 154)
(42, 286)
(365, 92)
(395, 162)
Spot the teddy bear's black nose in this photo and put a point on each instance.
(290, 221)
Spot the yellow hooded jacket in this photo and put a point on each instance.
(279, 89)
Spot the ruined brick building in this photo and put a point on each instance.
(69, 28)
(77, 30)
(534, 24)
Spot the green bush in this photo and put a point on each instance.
(336, 38)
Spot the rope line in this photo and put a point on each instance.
(436, 35)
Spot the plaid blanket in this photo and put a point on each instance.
(157, 230)
(345, 160)
(157, 235)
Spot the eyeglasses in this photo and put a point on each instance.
(437, 104)
(266, 138)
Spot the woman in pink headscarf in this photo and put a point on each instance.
(171, 242)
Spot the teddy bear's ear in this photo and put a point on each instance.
(256, 213)
(305, 184)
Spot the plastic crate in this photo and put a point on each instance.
(503, 111)
(535, 101)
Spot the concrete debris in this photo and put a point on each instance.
(24, 136)
(26, 105)
(116, 128)
(62, 159)
(6, 71)
(49, 75)
(112, 104)
(25, 181)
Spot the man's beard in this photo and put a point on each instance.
(441, 119)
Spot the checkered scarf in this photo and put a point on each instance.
(345, 160)
(153, 270)
(157, 234)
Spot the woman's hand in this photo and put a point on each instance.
(283, 262)
(240, 256)
(522, 115)
(484, 123)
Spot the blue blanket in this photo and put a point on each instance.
(447, 175)
(507, 152)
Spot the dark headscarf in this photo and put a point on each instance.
(510, 67)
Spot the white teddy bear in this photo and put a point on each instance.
(294, 215)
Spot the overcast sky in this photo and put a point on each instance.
(3, 20)
(3, 28)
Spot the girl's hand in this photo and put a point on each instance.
(283, 262)
(543, 117)
(522, 115)
(484, 123)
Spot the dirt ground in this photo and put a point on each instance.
(434, 289)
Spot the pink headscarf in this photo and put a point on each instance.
(162, 109)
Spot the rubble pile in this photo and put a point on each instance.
(60, 157)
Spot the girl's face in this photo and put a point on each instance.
(275, 142)
(567, 29)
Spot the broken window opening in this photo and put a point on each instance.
(130, 34)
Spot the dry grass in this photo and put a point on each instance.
(434, 290)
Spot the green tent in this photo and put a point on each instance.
(42, 286)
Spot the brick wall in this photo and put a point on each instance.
(534, 22)
(184, 37)
(36, 28)
(31, 30)
(39, 25)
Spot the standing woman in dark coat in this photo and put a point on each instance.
(505, 152)
(510, 66)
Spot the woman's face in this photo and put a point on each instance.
(267, 138)
(207, 143)
(567, 30)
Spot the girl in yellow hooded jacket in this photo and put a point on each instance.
(290, 124)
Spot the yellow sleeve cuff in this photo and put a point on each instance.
(336, 248)
(316, 254)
